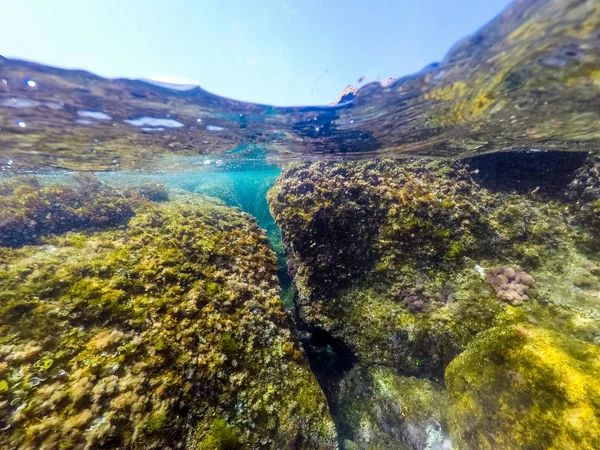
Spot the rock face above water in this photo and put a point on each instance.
(165, 330)
(349, 92)
(407, 263)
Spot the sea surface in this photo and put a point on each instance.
(414, 266)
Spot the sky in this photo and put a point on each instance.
(280, 52)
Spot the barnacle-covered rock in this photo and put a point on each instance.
(525, 387)
(167, 332)
(379, 409)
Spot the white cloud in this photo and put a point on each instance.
(252, 62)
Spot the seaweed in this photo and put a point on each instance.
(138, 333)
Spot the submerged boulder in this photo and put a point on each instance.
(407, 263)
(391, 257)
(166, 332)
(583, 193)
(525, 387)
(31, 210)
(379, 409)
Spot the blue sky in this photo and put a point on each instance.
(282, 52)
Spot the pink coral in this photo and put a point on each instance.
(413, 303)
(510, 284)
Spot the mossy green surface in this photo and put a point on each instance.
(399, 251)
(397, 259)
(220, 437)
(381, 330)
(32, 210)
(345, 223)
(143, 335)
(525, 387)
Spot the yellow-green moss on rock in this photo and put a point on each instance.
(390, 257)
(144, 335)
(525, 387)
(32, 209)
(220, 437)
(407, 262)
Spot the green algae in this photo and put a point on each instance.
(228, 345)
(437, 260)
(114, 335)
(44, 364)
(156, 422)
(395, 250)
(134, 323)
(32, 210)
(525, 387)
(220, 437)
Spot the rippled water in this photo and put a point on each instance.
(415, 266)
(495, 90)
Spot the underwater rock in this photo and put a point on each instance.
(31, 210)
(329, 359)
(165, 333)
(347, 444)
(154, 191)
(222, 187)
(525, 387)
(390, 257)
(379, 409)
(413, 303)
(585, 186)
(245, 190)
(583, 193)
(405, 263)
(524, 171)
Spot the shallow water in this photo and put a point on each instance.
(414, 267)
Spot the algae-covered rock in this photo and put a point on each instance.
(391, 257)
(31, 210)
(167, 332)
(380, 410)
(406, 263)
(584, 194)
(153, 191)
(344, 222)
(380, 329)
(525, 387)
